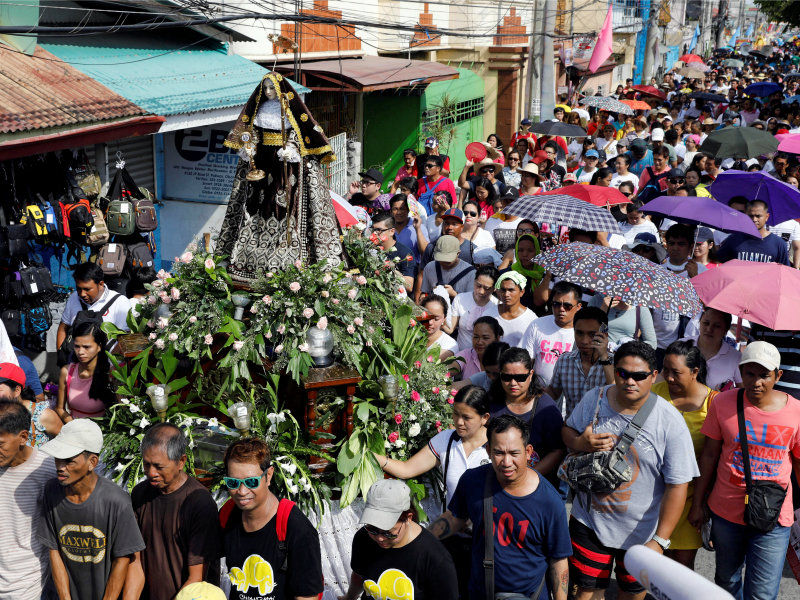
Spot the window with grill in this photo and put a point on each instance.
(464, 111)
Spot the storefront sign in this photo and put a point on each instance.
(566, 53)
(197, 164)
(583, 46)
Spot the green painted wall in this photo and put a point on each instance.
(392, 124)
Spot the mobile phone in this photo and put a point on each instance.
(604, 328)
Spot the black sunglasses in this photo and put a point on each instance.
(565, 305)
(518, 378)
(675, 181)
(430, 165)
(635, 375)
(377, 532)
(487, 170)
(470, 213)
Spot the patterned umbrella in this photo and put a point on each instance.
(699, 66)
(563, 210)
(637, 104)
(607, 103)
(621, 274)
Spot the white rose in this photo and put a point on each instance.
(293, 489)
(414, 430)
(289, 467)
(399, 443)
(133, 408)
(213, 422)
(385, 444)
(119, 467)
(132, 432)
(412, 417)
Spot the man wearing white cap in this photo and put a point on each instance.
(393, 557)
(87, 522)
(771, 422)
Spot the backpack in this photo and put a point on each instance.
(84, 316)
(146, 217)
(17, 239)
(50, 220)
(35, 281)
(62, 219)
(112, 258)
(85, 175)
(98, 234)
(426, 198)
(12, 321)
(79, 215)
(653, 189)
(139, 255)
(120, 218)
(36, 222)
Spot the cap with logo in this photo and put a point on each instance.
(453, 213)
(446, 249)
(592, 153)
(526, 122)
(387, 499)
(570, 177)
(762, 353)
(431, 142)
(11, 373)
(372, 174)
(79, 435)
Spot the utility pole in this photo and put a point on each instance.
(536, 62)
(532, 79)
(652, 36)
(721, 16)
(548, 85)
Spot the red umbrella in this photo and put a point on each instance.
(637, 104)
(649, 90)
(593, 194)
(688, 58)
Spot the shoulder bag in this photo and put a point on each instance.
(764, 499)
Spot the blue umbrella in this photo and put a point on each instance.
(782, 198)
(792, 99)
(764, 88)
(701, 210)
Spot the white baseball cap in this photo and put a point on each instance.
(387, 499)
(762, 353)
(79, 435)
(657, 135)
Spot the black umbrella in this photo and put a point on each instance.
(758, 54)
(558, 128)
(707, 97)
(739, 142)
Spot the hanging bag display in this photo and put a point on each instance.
(98, 235)
(80, 219)
(139, 256)
(146, 217)
(764, 499)
(121, 217)
(112, 258)
(36, 222)
(17, 237)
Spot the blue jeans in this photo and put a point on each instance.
(763, 553)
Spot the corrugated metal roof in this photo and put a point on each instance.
(163, 75)
(39, 91)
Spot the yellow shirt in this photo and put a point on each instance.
(695, 419)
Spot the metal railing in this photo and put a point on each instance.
(628, 15)
(336, 172)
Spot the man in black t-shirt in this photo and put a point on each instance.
(258, 567)
(383, 224)
(393, 557)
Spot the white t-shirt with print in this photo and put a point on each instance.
(618, 179)
(667, 324)
(546, 342)
(788, 231)
(459, 461)
(467, 311)
(631, 231)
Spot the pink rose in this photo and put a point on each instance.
(162, 295)
(406, 377)
(412, 323)
(294, 286)
(160, 344)
(192, 319)
(418, 364)
(401, 290)
(323, 323)
(166, 299)
(351, 330)
(238, 345)
(187, 257)
(176, 293)
(298, 263)
(254, 308)
(269, 276)
(151, 324)
(358, 321)
(303, 347)
(430, 359)
(415, 395)
(326, 278)
(153, 335)
(177, 259)
(387, 263)
(279, 348)
(267, 300)
(398, 418)
(208, 339)
(268, 335)
(325, 293)
(361, 280)
(173, 337)
(393, 437)
(451, 400)
(439, 429)
(335, 301)
(352, 293)
(435, 390)
(157, 283)
(162, 322)
(376, 273)
(162, 274)
(152, 299)
(281, 329)
(308, 313)
(370, 330)
(453, 392)
(348, 275)
(447, 375)
(438, 423)
(209, 264)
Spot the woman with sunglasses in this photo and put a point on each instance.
(392, 555)
(510, 173)
(626, 321)
(608, 143)
(520, 392)
(472, 230)
(513, 316)
(453, 451)
(684, 386)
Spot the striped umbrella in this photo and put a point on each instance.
(563, 210)
(607, 103)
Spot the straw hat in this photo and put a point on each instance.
(488, 162)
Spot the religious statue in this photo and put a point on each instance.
(280, 210)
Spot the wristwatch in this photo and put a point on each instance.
(661, 542)
(605, 362)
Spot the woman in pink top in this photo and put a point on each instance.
(772, 426)
(83, 388)
(485, 330)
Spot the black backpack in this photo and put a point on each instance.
(652, 189)
(84, 316)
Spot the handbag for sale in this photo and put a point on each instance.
(764, 499)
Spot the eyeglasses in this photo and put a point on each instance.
(376, 230)
(635, 375)
(568, 306)
(377, 532)
(470, 213)
(675, 181)
(525, 232)
(367, 182)
(507, 377)
(250, 483)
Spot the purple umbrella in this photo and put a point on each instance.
(701, 210)
(782, 199)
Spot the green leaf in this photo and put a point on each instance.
(347, 461)
(355, 443)
(170, 363)
(363, 412)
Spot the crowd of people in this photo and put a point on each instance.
(552, 379)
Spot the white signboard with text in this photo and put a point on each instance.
(197, 164)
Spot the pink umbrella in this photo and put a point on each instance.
(789, 142)
(765, 293)
(345, 212)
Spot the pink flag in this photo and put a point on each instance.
(602, 49)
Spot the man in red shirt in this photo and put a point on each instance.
(523, 132)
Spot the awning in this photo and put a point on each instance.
(582, 64)
(162, 75)
(370, 73)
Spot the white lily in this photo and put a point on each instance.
(134, 409)
(212, 422)
(119, 467)
(144, 422)
(290, 467)
(124, 401)
(293, 489)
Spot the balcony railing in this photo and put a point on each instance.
(628, 15)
